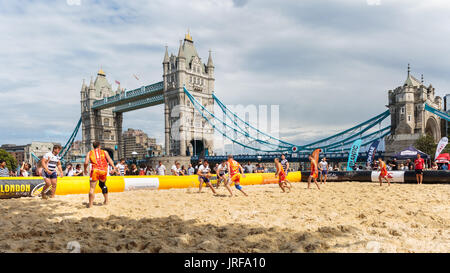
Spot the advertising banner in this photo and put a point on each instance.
(14, 188)
(440, 147)
(393, 176)
(353, 155)
(371, 152)
(141, 183)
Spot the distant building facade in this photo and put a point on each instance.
(409, 119)
(39, 149)
(75, 153)
(137, 141)
(17, 151)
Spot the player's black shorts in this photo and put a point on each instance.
(419, 171)
(204, 179)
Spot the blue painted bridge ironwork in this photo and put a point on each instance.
(138, 98)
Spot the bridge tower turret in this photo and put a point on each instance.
(186, 133)
(409, 120)
(102, 125)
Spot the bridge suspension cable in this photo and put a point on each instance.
(246, 135)
(69, 143)
(242, 138)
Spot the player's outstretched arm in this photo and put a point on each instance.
(61, 173)
(111, 162)
(86, 164)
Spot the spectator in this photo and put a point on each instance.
(38, 170)
(179, 171)
(69, 170)
(434, 166)
(259, 168)
(248, 168)
(183, 170)
(25, 170)
(78, 171)
(394, 164)
(133, 170)
(190, 170)
(4, 172)
(161, 169)
(445, 167)
(142, 169)
(174, 168)
(197, 166)
(121, 166)
(409, 164)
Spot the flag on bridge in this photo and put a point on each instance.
(135, 76)
(117, 82)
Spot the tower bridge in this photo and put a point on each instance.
(190, 122)
(102, 108)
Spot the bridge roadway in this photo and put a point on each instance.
(138, 98)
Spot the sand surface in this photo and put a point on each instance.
(342, 217)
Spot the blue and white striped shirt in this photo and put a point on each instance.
(4, 172)
(52, 161)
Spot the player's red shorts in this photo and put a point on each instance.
(313, 175)
(282, 177)
(99, 175)
(236, 178)
(383, 173)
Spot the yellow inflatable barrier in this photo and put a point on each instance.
(11, 187)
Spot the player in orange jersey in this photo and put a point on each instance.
(383, 172)
(281, 176)
(236, 171)
(314, 172)
(99, 160)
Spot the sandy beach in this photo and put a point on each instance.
(341, 217)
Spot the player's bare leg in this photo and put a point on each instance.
(227, 186)
(317, 184)
(53, 190)
(93, 184)
(209, 184)
(200, 185)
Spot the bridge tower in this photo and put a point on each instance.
(186, 132)
(409, 120)
(102, 125)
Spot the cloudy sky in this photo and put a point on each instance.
(327, 63)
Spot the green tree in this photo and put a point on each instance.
(426, 144)
(11, 162)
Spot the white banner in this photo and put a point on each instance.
(440, 147)
(393, 176)
(141, 183)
